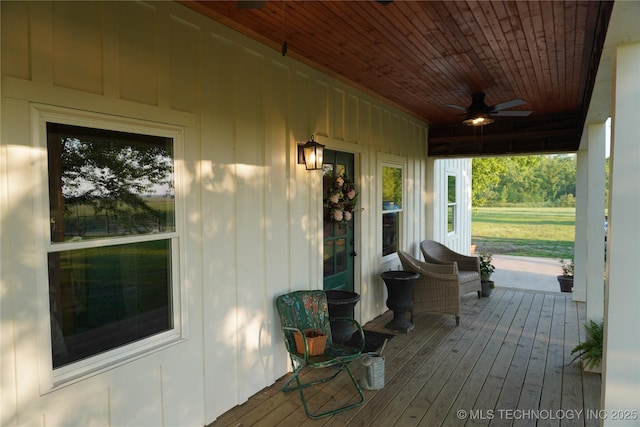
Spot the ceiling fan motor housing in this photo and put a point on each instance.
(478, 106)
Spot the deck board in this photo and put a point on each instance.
(507, 363)
(534, 377)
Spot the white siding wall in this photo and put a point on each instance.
(253, 216)
(460, 239)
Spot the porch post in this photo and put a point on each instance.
(431, 213)
(621, 374)
(580, 238)
(594, 267)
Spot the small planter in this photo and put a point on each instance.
(487, 286)
(486, 270)
(566, 283)
(315, 338)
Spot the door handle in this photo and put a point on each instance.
(354, 253)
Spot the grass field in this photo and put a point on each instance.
(536, 232)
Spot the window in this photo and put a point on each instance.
(392, 191)
(451, 203)
(113, 244)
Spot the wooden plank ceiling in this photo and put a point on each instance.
(423, 55)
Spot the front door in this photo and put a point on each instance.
(338, 238)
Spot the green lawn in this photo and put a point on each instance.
(537, 232)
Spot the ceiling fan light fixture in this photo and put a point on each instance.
(478, 120)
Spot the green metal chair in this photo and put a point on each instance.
(302, 310)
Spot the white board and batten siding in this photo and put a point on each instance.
(252, 222)
(460, 238)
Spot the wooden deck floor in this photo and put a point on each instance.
(508, 363)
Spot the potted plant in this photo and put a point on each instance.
(590, 350)
(566, 279)
(486, 270)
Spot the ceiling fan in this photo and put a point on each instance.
(258, 4)
(480, 114)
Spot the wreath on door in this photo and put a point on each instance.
(341, 200)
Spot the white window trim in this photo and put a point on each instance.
(393, 161)
(51, 379)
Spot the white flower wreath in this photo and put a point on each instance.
(341, 200)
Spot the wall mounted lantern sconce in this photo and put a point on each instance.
(311, 154)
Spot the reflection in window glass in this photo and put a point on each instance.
(327, 169)
(341, 255)
(103, 298)
(391, 208)
(450, 218)
(391, 188)
(328, 226)
(451, 189)
(451, 203)
(390, 226)
(105, 183)
(328, 258)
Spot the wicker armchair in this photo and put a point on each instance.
(468, 266)
(437, 290)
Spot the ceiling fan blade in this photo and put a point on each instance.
(509, 104)
(250, 4)
(511, 113)
(457, 107)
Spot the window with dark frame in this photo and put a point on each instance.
(110, 261)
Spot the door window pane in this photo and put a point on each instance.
(341, 255)
(328, 226)
(328, 258)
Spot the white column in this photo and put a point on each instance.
(432, 215)
(621, 372)
(596, 135)
(580, 242)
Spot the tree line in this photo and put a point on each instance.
(548, 180)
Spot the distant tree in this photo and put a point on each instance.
(486, 174)
(549, 179)
(521, 182)
(559, 182)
